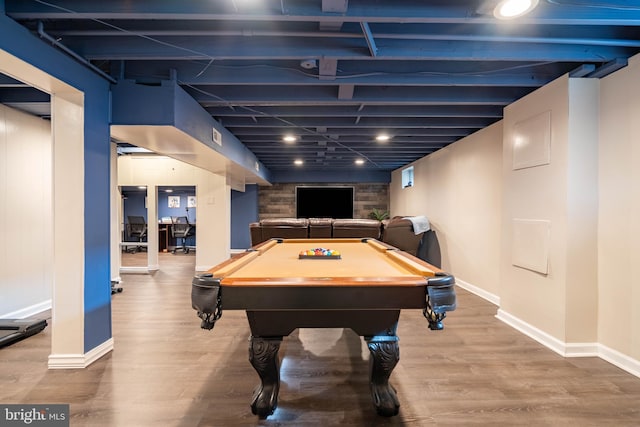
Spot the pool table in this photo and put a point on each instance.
(363, 288)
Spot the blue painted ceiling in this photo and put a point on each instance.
(335, 73)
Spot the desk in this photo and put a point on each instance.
(164, 237)
(364, 290)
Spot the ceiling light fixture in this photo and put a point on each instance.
(298, 162)
(510, 9)
(359, 162)
(289, 138)
(383, 137)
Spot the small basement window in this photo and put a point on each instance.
(407, 177)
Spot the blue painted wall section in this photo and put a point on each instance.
(169, 105)
(17, 41)
(244, 210)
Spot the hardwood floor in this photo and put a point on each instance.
(166, 371)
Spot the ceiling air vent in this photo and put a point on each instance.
(217, 137)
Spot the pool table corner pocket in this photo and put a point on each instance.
(441, 297)
(206, 299)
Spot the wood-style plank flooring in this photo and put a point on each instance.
(166, 371)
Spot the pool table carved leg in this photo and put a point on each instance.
(384, 357)
(263, 355)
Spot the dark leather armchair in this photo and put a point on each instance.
(181, 230)
(255, 231)
(136, 229)
(398, 232)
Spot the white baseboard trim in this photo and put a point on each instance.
(492, 298)
(32, 310)
(532, 332)
(134, 270)
(620, 360)
(80, 361)
(202, 268)
(595, 349)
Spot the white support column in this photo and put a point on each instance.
(152, 228)
(116, 217)
(67, 337)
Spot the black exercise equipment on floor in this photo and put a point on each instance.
(12, 330)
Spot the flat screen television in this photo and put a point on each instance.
(324, 202)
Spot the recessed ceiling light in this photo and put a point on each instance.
(298, 162)
(289, 138)
(383, 137)
(359, 162)
(510, 9)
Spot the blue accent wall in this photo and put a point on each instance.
(134, 205)
(244, 210)
(19, 42)
(169, 105)
(97, 218)
(164, 210)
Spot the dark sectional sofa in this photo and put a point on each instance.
(397, 232)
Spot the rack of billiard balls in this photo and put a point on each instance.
(319, 253)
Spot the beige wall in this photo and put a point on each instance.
(459, 190)
(586, 303)
(213, 194)
(619, 212)
(562, 192)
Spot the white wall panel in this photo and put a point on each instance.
(25, 213)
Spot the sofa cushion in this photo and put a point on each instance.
(320, 227)
(343, 228)
(284, 222)
(285, 228)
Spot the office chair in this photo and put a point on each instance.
(181, 229)
(138, 230)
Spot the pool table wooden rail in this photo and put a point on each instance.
(415, 284)
(394, 266)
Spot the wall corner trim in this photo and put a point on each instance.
(564, 349)
(80, 361)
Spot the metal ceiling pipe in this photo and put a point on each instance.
(71, 53)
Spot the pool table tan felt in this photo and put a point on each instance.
(362, 263)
